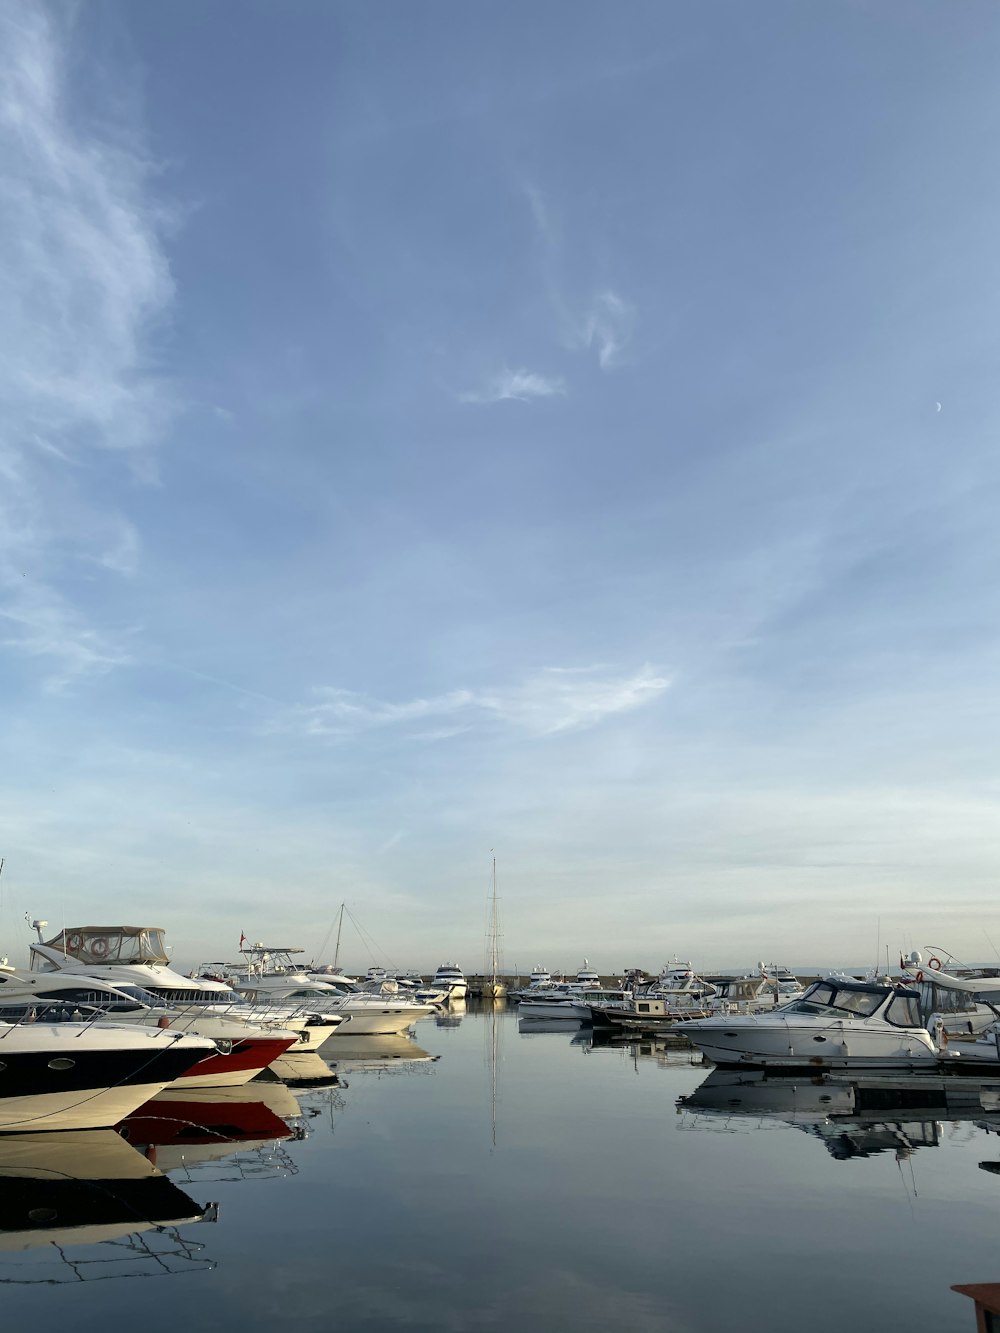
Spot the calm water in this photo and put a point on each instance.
(567, 1191)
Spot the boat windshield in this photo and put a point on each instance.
(826, 995)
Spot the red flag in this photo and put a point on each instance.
(242, 938)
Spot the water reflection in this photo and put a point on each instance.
(852, 1117)
(82, 1206)
(452, 1016)
(304, 1069)
(378, 1054)
(535, 1027)
(179, 1131)
(664, 1050)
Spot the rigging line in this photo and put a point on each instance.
(368, 939)
(326, 940)
(988, 940)
(379, 948)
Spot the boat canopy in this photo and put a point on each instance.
(100, 945)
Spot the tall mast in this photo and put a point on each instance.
(340, 926)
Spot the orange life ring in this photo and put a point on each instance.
(99, 946)
(919, 977)
(934, 963)
(73, 942)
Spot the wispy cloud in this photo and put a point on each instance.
(85, 282)
(519, 385)
(607, 328)
(603, 322)
(553, 701)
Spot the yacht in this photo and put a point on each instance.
(272, 974)
(450, 978)
(242, 1049)
(85, 1076)
(679, 978)
(837, 1023)
(586, 976)
(136, 956)
(962, 1007)
(568, 1001)
(541, 979)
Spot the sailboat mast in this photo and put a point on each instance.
(336, 951)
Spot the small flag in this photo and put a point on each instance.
(242, 939)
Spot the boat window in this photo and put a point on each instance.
(862, 1003)
(824, 995)
(904, 1011)
(97, 999)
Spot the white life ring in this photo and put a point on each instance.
(934, 964)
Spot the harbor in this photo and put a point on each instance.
(584, 1181)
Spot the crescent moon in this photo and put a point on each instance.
(938, 406)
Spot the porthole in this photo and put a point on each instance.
(62, 1062)
(819, 1039)
(42, 1214)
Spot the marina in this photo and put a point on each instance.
(591, 1173)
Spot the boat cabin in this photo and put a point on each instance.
(838, 998)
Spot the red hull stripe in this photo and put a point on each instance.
(251, 1053)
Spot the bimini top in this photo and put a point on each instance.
(111, 944)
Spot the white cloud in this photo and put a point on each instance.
(607, 328)
(85, 281)
(556, 700)
(521, 385)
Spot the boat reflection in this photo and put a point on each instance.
(852, 1116)
(303, 1069)
(665, 1049)
(452, 1016)
(381, 1054)
(88, 1206)
(180, 1131)
(534, 1027)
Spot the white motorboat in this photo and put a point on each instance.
(836, 1024)
(242, 1049)
(962, 1007)
(540, 979)
(136, 957)
(450, 978)
(568, 1001)
(271, 975)
(86, 1076)
(677, 978)
(586, 976)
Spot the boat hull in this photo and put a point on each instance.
(244, 1062)
(57, 1084)
(773, 1044)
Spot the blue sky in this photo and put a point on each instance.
(559, 429)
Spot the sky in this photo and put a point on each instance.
(560, 432)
